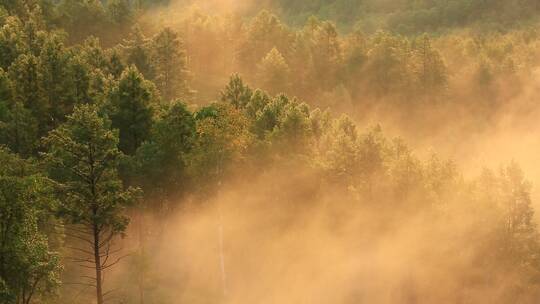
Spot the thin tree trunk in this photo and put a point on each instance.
(141, 258)
(97, 259)
(222, 257)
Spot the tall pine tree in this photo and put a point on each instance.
(83, 157)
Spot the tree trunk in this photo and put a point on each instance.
(142, 257)
(97, 259)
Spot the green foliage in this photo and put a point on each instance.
(54, 80)
(80, 77)
(223, 137)
(83, 158)
(162, 162)
(236, 92)
(81, 17)
(101, 101)
(84, 18)
(411, 16)
(137, 51)
(24, 75)
(11, 41)
(115, 64)
(29, 270)
(264, 33)
(294, 129)
(119, 11)
(268, 117)
(132, 102)
(169, 60)
(19, 130)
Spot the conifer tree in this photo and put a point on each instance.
(19, 130)
(53, 79)
(162, 161)
(137, 51)
(132, 102)
(82, 156)
(236, 92)
(170, 64)
(430, 67)
(273, 72)
(12, 42)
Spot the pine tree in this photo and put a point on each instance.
(163, 160)
(326, 52)
(19, 130)
(115, 64)
(268, 118)
(82, 156)
(430, 67)
(12, 42)
(6, 94)
(137, 52)
(79, 76)
(236, 92)
(170, 64)
(132, 102)
(119, 11)
(518, 233)
(294, 130)
(82, 18)
(386, 66)
(93, 54)
(53, 79)
(264, 32)
(273, 72)
(34, 31)
(24, 73)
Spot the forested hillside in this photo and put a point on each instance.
(403, 16)
(238, 152)
(408, 16)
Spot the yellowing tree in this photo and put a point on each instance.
(273, 72)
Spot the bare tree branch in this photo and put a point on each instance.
(89, 277)
(83, 284)
(81, 250)
(115, 262)
(79, 237)
(79, 260)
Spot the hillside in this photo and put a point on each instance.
(269, 152)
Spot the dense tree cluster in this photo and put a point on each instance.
(410, 16)
(317, 59)
(326, 67)
(88, 132)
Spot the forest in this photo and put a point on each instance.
(236, 151)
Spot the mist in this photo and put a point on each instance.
(288, 235)
(227, 151)
(289, 238)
